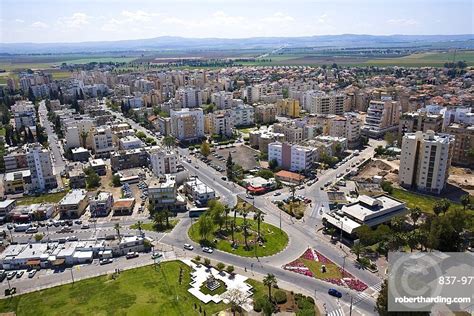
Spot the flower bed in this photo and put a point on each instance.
(346, 279)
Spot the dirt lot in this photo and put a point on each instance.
(241, 155)
(463, 178)
(387, 169)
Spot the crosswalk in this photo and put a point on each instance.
(336, 312)
(376, 287)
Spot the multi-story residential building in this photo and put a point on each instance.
(15, 159)
(41, 168)
(164, 125)
(73, 204)
(425, 160)
(265, 113)
(130, 142)
(382, 116)
(221, 123)
(101, 204)
(318, 102)
(420, 121)
(290, 156)
(463, 144)
(24, 114)
(243, 115)
(293, 133)
(126, 159)
(347, 126)
(253, 93)
(77, 132)
(162, 192)
(163, 161)
(261, 138)
(187, 124)
(288, 107)
(222, 99)
(17, 181)
(102, 141)
(190, 97)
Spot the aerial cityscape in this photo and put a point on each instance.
(236, 157)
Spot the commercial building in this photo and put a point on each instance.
(290, 156)
(73, 204)
(425, 160)
(243, 115)
(123, 206)
(24, 114)
(199, 191)
(41, 168)
(420, 121)
(370, 211)
(187, 124)
(101, 204)
(289, 177)
(463, 143)
(288, 107)
(162, 193)
(265, 113)
(319, 102)
(163, 161)
(382, 116)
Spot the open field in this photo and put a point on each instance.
(45, 198)
(412, 199)
(141, 291)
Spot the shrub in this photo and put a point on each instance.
(220, 266)
(197, 258)
(207, 262)
(230, 269)
(280, 297)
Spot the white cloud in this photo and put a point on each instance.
(278, 17)
(403, 22)
(323, 18)
(76, 20)
(19, 20)
(39, 25)
(138, 16)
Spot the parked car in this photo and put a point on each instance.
(335, 293)
(105, 261)
(20, 274)
(85, 226)
(78, 222)
(31, 230)
(207, 250)
(72, 238)
(11, 275)
(132, 255)
(188, 247)
(65, 230)
(276, 193)
(156, 255)
(31, 273)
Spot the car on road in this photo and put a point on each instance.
(250, 197)
(72, 238)
(188, 247)
(335, 293)
(207, 250)
(276, 193)
(11, 275)
(131, 255)
(105, 261)
(20, 274)
(31, 230)
(65, 230)
(78, 222)
(85, 226)
(156, 255)
(196, 166)
(31, 273)
(188, 160)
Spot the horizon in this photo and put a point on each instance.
(29, 21)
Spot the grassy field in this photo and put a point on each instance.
(141, 291)
(45, 198)
(275, 240)
(332, 270)
(412, 199)
(154, 228)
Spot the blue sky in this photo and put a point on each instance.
(98, 20)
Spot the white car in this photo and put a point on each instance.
(31, 273)
(276, 193)
(207, 250)
(188, 247)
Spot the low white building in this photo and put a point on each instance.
(199, 191)
(130, 142)
(101, 204)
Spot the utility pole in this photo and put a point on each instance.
(350, 309)
(72, 276)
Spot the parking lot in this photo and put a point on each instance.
(241, 155)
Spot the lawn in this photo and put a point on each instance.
(155, 228)
(332, 270)
(275, 240)
(44, 198)
(141, 291)
(412, 199)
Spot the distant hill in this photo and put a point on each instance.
(181, 43)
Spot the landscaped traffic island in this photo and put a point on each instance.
(245, 240)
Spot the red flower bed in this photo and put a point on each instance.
(334, 281)
(323, 259)
(308, 254)
(357, 285)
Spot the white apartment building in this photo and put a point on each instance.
(221, 123)
(318, 102)
(382, 116)
(187, 124)
(102, 141)
(24, 114)
(222, 99)
(290, 156)
(41, 168)
(130, 142)
(347, 126)
(253, 93)
(76, 132)
(243, 115)
(425, 160)
(190, 97)
(163, 161)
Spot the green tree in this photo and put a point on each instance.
(390, 138)
(84, 135)
(273, 164)
(220, 267)
(92, 178)
(205, 226)
(415, 214)
(265, 173)
(465, 201)
(259, 217)
(357, 249)
(169, 141)
(245, 227)
(117, 230)
(379, 150)
(331, 231)
(229, 166)
(116, 180)
(217, 211)
(270, 281)
(230, 269)
(205, 149)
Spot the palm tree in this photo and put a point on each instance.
(270, 281)
(158, 218)
(258, 216)
(226, 211)
(84, 136)
(166, 214)
(117, 229)
(415, 214)
(233, 225)
(245, 226)
(169, 141)
(357, 249)
(139, 224)
(331, 231)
